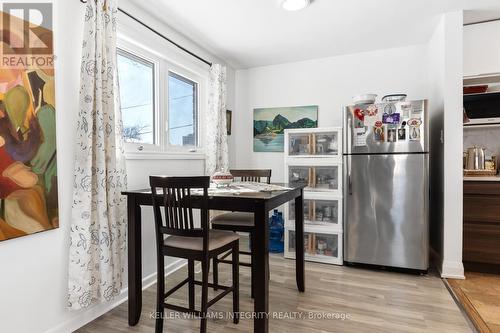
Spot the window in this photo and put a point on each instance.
(182, 111)
(162, 100)
(137, 90)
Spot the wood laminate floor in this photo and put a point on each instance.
(369, 301)
(479, 294)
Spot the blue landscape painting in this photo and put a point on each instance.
(269, 125)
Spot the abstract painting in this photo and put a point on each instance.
(269, 125)
(28, 169)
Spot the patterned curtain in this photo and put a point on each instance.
(216, 132)
(98, 225)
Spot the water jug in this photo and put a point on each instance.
(276, 231)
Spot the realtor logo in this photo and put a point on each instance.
(27, 39)
(26, 26)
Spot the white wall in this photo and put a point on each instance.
(453, 146)
(33, 269)
(328, 83)
(435, 58)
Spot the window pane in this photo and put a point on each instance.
(136, 77)
(182, 108)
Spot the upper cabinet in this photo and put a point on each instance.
(313, 143)
(482, 49)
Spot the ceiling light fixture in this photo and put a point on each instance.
(294, 5)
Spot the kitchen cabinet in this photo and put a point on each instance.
(481, 48)
(319, 247)
(318, 175)
(314, 157)
(481, 238)
(303, 143)
(320, 210)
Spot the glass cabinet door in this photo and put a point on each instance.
(318, 246)
(319, 212)
(326, 177)
(326, 143)
(299, 144)
(298, 175)
(291, 210)
(317, 178)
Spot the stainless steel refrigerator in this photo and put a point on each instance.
(386, 177)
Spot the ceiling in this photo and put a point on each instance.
(251, 33)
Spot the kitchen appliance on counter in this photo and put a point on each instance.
(482, 109)
(386, 175)
(475, 158)
(478, 163)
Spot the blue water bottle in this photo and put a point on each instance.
(276, 225)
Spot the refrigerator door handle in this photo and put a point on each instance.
(349, 135)
(350, 185)
(349, 180)
(347, 149)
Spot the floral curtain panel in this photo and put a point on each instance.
(98, 228)
(216, 131)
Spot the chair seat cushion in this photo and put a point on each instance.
(234, 218)
(217, 239)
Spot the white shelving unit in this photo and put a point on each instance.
(314, 157)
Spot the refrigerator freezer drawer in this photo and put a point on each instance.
(386, 210)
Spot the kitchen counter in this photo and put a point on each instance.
(482, 179)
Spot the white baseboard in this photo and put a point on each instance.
(81, 318)
(452, 270)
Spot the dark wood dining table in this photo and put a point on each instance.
(259, 203)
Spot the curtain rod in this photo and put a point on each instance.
(162, 36)
(479, 22)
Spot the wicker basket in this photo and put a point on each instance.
(480, 173)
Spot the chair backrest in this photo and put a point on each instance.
(252, 175)
(174, 194)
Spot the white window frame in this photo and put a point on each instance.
(144, 55)
(181, 64)
(179, 71)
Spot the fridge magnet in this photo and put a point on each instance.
(372, 115)
(391, 119)
(417, 110)
(378, 133)
(390, 108)
(406, 109)
(414, 124)
(359, 137)
(359, 118)
(402, 132)
(391, 135)
(371, 110)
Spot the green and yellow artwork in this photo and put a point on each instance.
(269, 125)
(28, 170)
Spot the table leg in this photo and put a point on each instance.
(134, 261)
(260, 253)
(299, 241)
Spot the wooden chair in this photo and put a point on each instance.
(191, 243)
(238, 221)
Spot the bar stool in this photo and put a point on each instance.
(239, 221)
(186, 241)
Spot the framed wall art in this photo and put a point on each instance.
(269, 125)
(28, 166)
